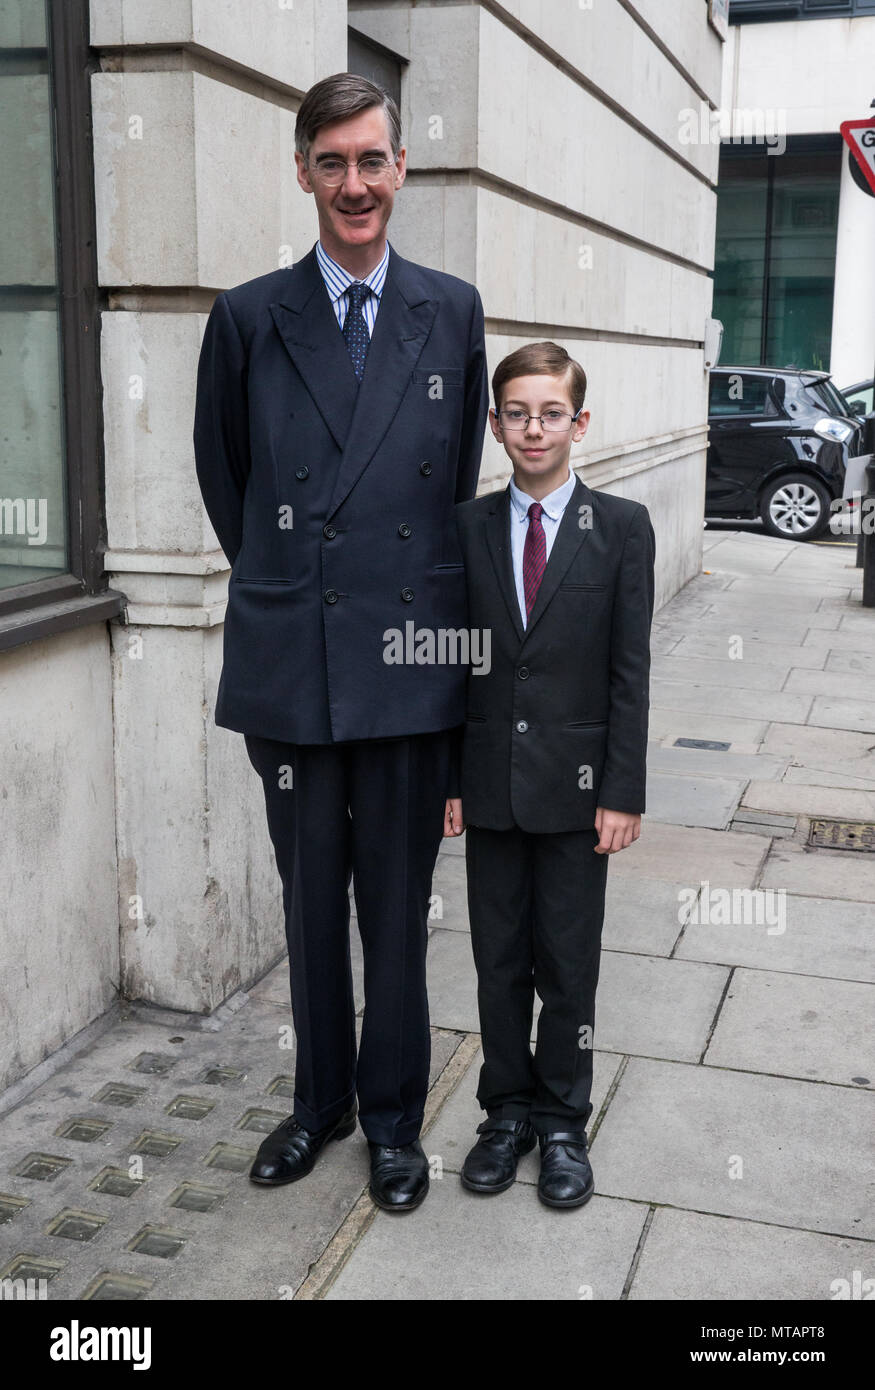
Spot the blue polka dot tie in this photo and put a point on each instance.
(355, 330)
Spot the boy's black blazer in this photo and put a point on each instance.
(334, 502)
(558, 725)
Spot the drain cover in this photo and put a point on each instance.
(843, 834)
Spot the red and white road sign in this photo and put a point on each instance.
(859, 136)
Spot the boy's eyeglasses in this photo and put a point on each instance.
(333, 171)
(556, 420)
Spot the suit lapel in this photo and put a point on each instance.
(306, 322)
(358, 415)
(498, 540)
(567, 541)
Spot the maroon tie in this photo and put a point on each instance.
(534, 556)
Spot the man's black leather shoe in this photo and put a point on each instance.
(399, 1177)
(491, 1164)
(566, 1176)
(290, 1151)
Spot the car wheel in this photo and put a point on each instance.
(795, 507)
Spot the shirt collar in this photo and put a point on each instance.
(554, 503)
(337, 280)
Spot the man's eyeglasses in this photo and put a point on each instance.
(555, 420)
(333, 171)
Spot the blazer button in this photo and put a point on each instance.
(330, 595)
(524, 673)
(521, 726)
(405, 530)
(407, 595)
(302, 472)
(329, 532)
(425, 469)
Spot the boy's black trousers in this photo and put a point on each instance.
(536, 905)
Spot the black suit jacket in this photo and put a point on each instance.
(570, 692)
(334, 502)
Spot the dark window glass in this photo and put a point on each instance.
(33, 502)
(738, 393)
(775, 253)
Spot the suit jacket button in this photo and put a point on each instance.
(405, 530)
(407, 595)
(425, 469)
(523, 673)
(521, 726)
(302, 472)
(329, 532)
(330, 596)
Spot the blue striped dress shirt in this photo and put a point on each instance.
(337, 282)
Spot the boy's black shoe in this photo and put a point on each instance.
(399, 1176)
(290, 1151)
(566, 1176)
(491, 1164)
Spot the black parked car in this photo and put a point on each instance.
(780, 440)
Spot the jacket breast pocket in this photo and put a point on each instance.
(585, 588)
(439, 376)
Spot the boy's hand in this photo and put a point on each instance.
(616, 829)
(453, 823)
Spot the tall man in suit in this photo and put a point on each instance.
(341, 408)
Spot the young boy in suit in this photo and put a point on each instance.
(553, 765)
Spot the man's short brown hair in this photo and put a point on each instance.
(338, 97)
(540, 359)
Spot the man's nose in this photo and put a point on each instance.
(354, 185)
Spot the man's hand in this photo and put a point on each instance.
(616, 829)
(453, 823)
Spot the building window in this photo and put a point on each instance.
(757, 11)
(368, 58)
(775, 255)
(50, 433)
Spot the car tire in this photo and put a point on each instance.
(795, 507)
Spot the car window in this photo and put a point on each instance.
(826, 395)
(737, 393)
(865, 397)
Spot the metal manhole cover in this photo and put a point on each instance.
(843, 834)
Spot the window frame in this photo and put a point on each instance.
(81, 594)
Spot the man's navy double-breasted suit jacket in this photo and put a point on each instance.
(334, 501)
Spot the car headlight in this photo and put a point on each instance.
(836, 430)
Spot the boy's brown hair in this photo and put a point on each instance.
(540, 359)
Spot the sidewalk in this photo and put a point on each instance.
(731, 1129)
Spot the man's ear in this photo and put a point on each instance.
(496, 427)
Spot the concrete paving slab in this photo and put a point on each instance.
(864, 662)
(705, 762)
(793, 1153)
(842, 640)
(452, 982)
(750, 704)
(728, 672)
(820, 873)
(796, 1025)
(693, 800)
(783, 654)
(654, 1007)
(837, 803)
(510, 1247)
(455, 1129)
(687, 856)
(641, 914)
(823, 748)
(449, 909)
(821, 936)
(834, 713)
(847, 684)
(688, 1255)
(743, 735)
(814, 777)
